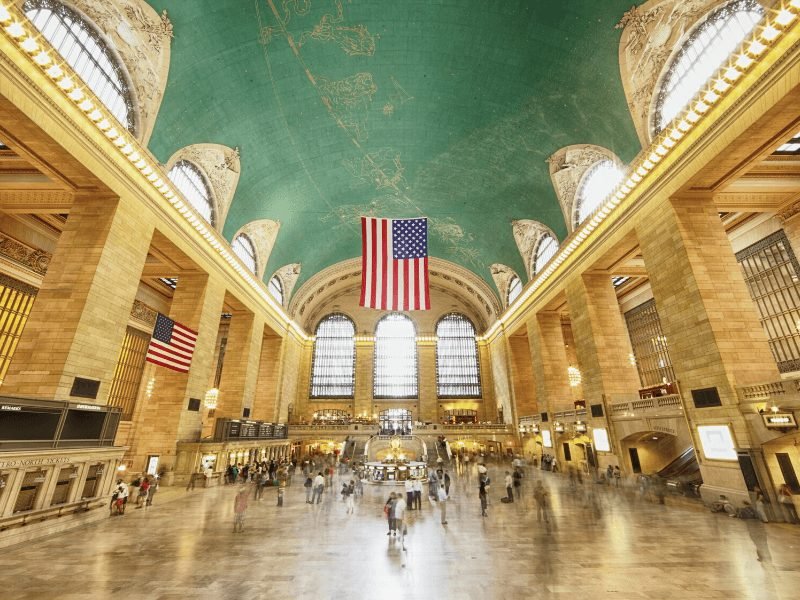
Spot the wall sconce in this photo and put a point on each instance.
(211, 398)
(559, 427)
(535, 429)
(580, 427)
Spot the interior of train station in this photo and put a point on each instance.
(538, 259)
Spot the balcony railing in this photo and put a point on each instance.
(785, 392)
(630, 408)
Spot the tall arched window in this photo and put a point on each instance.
(275, 288)
(703, 53)
(514, 289)
(395, 358)
(82, 47)
(191, 182)
(457, 372)
(243, 248)
(598, 182)
(545, 250)
(333, 367)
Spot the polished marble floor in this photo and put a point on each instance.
(600, 543)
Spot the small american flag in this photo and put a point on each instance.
(394, 264)
(172, 345)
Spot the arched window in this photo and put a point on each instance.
(703, 53)
(243, 248)
(81, 46)
(275, 288)
(545, 250)
(598, 182)
(191, 182)
(333, 367)
(457, 372)
(395, 358)
(514, 289)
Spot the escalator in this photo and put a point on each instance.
(682, 476)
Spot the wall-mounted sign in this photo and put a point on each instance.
(547, 440)
(152, 465)
(779, 420)
(717, 442)
(601, 443)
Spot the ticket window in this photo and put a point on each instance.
(66, 479)
(92, 483)
(32, 484)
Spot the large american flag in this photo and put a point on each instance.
(172, 345)
(394, 264)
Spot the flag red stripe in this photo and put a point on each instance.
(427, 289)
(363, 261)
(394, 286)
(384, 262)
(405, 286)
(168, 365)
(170, 349)
(184, 331)
(374, 270)
(165, 354)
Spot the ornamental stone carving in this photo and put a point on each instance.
(502, 276)
(143, 313)
(221, 166)
(33, 259)
(141, 37)
(567, 168)
(288, 275)
(651, 33)
(263, 234)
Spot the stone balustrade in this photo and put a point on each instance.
(646, 406)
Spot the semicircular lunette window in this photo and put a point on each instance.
(703, 53)
(191, 183)
(514, 289)
(80, 45)
(244, 249)
(275, 288)
(598, 182)
(545, 250)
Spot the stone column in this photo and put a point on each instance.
(237, 387)
(428, 401)
(78, 320)
(549, 362)
(266, 395)
(521, 366)
(165, 418)
(713, 331)
(362, 403)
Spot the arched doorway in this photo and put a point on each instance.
(395, 421)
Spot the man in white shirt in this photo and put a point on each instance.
(399, 516)
(443, 503)
(409, 485)
(509, 487)
(122, 493)
(417, 504)
(319, 487)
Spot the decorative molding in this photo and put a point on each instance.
(651, 34)
(567, 168)
(31, 258)
(18, 285)
(502, 275)
(263, 234)
(288, 275)
(143, 313)
(221, 165)
(142, 38)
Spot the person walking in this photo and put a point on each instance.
(443, 503)
(239, 510)
(319, 487)
(617, 475)
(153, 490)
(388, 510)
(399, 513)
(483, 486)
(761, 509)
(517, 482)
(409, 485)
(144, 492)
(509, 487)
(349, 497)
(122, 496)
(787, 504)
(609, 474)
(417, 494)
(309, 483)
(541, 495)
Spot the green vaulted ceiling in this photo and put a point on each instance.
(442, 108)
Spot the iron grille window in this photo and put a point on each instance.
(790, 147)
(514, 289)
(191, 182)
(81, 46)
(16, 300)
(395, 358)
(66, 478)
(457, 371)
(333, 366)
(649, 345)
(92, 481)
(275, 288)
(128, 372)
(545, 250)
(170, 282)
(707, 48)
(598, 182)
(32, 484)
(243, 248)
(772, 273)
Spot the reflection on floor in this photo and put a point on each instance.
(600, 543)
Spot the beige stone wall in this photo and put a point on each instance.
(522, 376)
